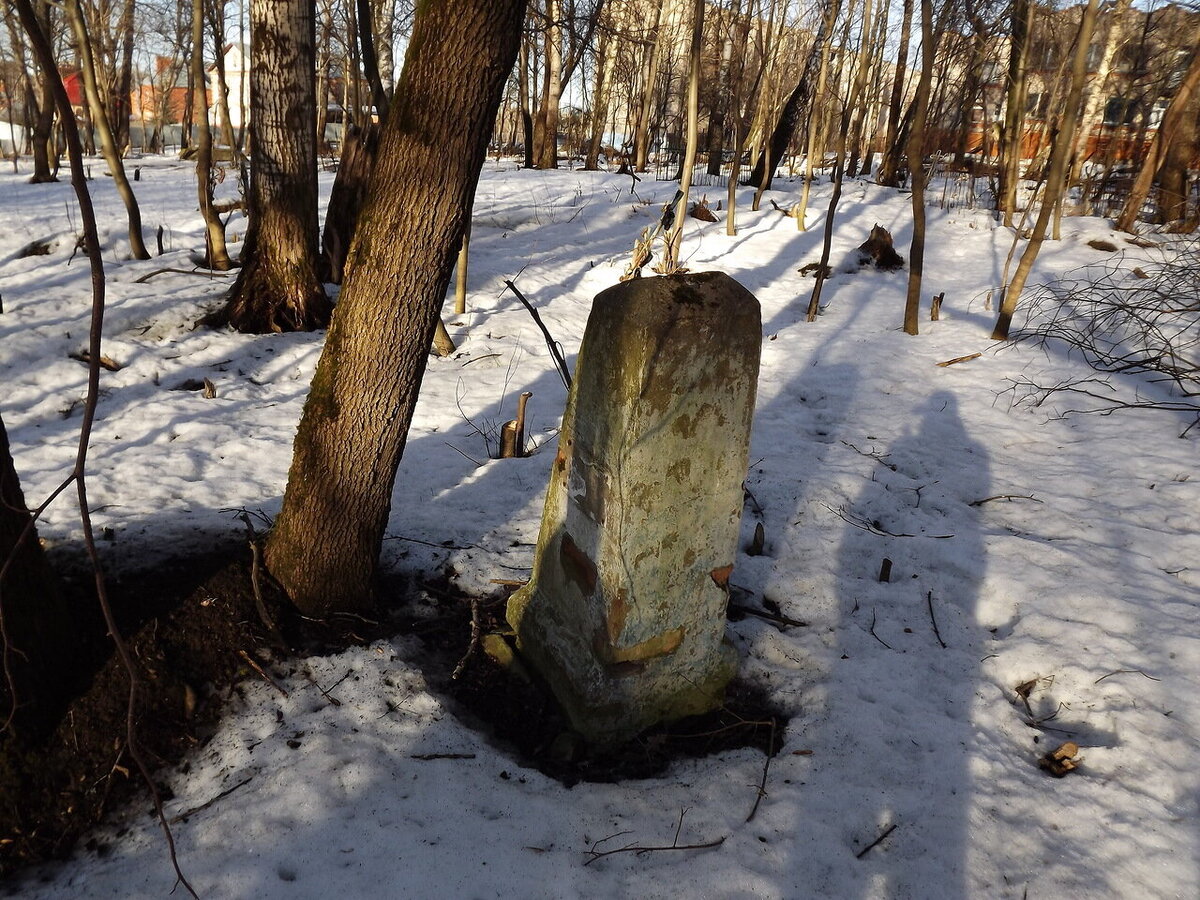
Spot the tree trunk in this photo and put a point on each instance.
(1064, 142)
(124, 81)
(764, 170)
(607, 58)
(812, 146)
(359, 150)
(1163, 139)
(112, 154)
(674, 240)
(324, 547)
(1173, 178)
(641, 137)
(277, 288)
(551, 88)
(39, 110)
(916, 150)
(216, 255)
(39, 629)
(1013, 134)
(523, 93)
(221, 98)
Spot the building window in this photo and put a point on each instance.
(1119, 111)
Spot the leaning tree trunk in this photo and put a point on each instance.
(277, 289)
(324, 547)
(359, 147)
(1172, 120)
(112, 154)
(1060, 153)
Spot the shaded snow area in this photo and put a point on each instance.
(1058, 554)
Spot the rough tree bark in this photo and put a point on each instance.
(324, 547)
(35, 624)
(277, 288)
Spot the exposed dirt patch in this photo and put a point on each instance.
(197, 628)
(520, 711)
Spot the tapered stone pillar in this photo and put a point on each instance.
(625, 613)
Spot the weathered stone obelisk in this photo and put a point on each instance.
(625, 613)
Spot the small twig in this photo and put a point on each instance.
(878, 457)
(255, 565)
(875, 843)
(551, 344)
(860, 522)
(475, 636)
(594, 854)
(874, 635)
(777, 618)
(429, 756)
(1126, 672)
(762, 784)
(105, 362)
(478, 358)
(460, 453)
(441, 546)
(253, 663)
(183, 816)
(1004, 497)
(936, 633)
(959, 359)
(308, 676)
(206, 273)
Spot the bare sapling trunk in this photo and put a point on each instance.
(216, 255)
(674, 239)
(889, 167)
(460, 282)
(1060, 155)
(324, 547)
(1012, 141)
(641, 139)
(812, 145)
(916, 150)
(112, 154)
(606, 55)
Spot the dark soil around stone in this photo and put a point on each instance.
(198, 631)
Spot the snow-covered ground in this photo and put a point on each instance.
(1083, 585)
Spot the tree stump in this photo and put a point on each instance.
(625, 613)
(878, 249)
